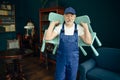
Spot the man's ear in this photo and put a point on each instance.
(63, 15)
(74, 16)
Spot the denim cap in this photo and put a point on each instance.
(69, 10)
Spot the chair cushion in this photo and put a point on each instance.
(102, 74)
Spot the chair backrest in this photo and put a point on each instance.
(85, 19)
(58, 17)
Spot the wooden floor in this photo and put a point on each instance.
(34, 70)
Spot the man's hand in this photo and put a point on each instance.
(87, 38)
(55, 23)
(50, 34)
(84, 25)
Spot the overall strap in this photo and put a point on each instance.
(62, 30)
(75, 31)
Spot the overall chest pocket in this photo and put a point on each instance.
(69, 39)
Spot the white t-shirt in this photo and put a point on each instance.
(69, 31)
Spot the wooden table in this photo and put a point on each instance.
(12, 59)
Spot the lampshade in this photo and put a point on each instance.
(29, 25)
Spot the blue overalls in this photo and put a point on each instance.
(67, 56)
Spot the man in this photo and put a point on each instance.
(68, 51)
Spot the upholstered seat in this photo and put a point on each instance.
(103, 67)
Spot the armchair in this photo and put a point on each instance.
(103, 67)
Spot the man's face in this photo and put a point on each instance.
(69, 18)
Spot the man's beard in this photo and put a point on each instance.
(69, 21)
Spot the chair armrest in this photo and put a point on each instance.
(85, 67)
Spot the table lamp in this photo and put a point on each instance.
(28, 27)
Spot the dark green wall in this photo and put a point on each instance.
(104, 15)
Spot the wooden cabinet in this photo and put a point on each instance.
(44, 23)
(7, 24)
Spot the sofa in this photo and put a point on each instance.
(106, 66)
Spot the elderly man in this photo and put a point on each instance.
(68, 51)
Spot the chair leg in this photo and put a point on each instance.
(94, 50)
(46, 60)
(84, 52)
(98, 41)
